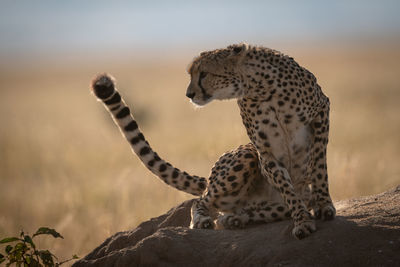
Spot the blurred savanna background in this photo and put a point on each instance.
(64, 163)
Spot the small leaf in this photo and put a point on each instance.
(8, 249)
(2, 259)
(34, 263)
(75, 257)
(1, 256)
(9, 239)
(47, 231)
(29, 240)
(46, 257)
(17, 253)
(20, 247)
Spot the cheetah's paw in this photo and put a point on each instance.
(304, 229)
(202, 223)
(230, 222)
(326, 213)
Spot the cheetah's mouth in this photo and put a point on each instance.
(201, 101)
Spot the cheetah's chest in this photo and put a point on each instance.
(288, 143)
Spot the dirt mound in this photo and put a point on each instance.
(366, 232)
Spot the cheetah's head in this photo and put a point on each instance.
(216, 75)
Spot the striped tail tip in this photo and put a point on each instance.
(103, 85)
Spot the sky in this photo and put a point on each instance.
(43, 26)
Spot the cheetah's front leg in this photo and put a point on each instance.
(324, 207)
(272, 141)
(279, 177)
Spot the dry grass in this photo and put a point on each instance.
(65, 165)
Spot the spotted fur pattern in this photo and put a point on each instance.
(286, 116)
(236, 192)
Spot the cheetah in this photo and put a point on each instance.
(282, 173)
(235, 194)
(286, 116)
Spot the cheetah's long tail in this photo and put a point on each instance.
(103, 87)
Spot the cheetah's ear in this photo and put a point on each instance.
(239, 49)
(238, 52)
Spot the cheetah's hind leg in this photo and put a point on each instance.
(265, 212)
(258, 212)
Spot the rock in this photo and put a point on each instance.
(366, 232)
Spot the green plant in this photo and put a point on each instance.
(25, 253)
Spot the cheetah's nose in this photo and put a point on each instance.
(190, 95)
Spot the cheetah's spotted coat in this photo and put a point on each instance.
(282, 173)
